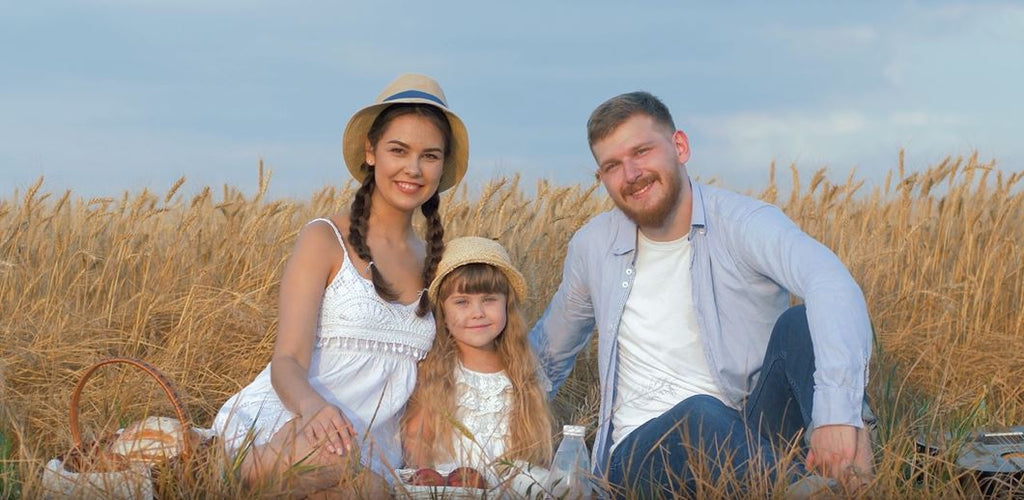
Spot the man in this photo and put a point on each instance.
(688, 285)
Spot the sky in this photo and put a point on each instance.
(103, 96)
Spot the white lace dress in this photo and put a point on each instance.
(483, 402)
(364, 362)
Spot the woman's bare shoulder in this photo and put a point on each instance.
(320, 242)
(330, 228)
(342, 221)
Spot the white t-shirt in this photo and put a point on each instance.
(661, 358)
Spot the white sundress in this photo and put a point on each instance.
(364, 362)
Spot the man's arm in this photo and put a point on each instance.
(840, 333)
(567, 323)
(773, 246)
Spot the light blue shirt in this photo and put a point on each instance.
(747, 258)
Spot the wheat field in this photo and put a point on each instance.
(189, 282)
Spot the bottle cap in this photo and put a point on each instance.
(574, 430)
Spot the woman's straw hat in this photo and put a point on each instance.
(476, 250)
(407, 88)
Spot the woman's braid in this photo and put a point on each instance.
(435, 247)
(358, 227)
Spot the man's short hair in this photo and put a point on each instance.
(615, 111)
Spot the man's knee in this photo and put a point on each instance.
(791, 332)
(794, 318)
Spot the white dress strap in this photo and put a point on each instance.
(329, 223)
(336, 233)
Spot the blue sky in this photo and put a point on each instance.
(103, 96)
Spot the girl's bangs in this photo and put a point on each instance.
(474, 278)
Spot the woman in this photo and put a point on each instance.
(354, 318)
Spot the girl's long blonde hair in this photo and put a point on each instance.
(430, 416)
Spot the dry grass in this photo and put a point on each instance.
(189, 284)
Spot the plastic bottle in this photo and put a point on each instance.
(570, 468)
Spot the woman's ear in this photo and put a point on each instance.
(371, 159)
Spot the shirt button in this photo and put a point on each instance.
(625, 284)
(629, 271)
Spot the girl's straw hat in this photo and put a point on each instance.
(407, 88)
(476, 250)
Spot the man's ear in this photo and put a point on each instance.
(682, 145)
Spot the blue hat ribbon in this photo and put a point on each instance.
(406, 94)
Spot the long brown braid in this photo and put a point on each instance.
(435, 247)
(360, 209)
(357, 229)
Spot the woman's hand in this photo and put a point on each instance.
(324, 423)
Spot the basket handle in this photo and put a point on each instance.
(163, 381)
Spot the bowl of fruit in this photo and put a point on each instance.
(441, 483)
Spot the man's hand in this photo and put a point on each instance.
(841, 452)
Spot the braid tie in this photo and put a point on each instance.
(435, 247)
(358, 228)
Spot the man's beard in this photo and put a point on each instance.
(656, 215)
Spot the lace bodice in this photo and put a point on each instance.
(352, 317)
(484, 404)
(484, 401)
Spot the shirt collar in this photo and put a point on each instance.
(697, 219)
(625, 234)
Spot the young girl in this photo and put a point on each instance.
(354, 318)
(479, 400)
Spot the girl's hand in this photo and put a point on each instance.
(325, 423)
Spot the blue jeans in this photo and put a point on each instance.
(702, 433)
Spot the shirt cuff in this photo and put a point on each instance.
(838, 406)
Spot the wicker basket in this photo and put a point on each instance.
(90, 470)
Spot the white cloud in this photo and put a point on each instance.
(740, 146)
(94, 161)
(922, 119)
(197, 6)
(1002, 18)
(894, 72)
(773, 127)
(826, 38)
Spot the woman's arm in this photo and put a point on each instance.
(302, 288)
